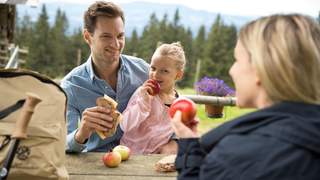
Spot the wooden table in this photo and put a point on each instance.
(89, 166)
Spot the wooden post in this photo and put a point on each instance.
(198, 68)
(7, 26)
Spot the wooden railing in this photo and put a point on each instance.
(214, 100)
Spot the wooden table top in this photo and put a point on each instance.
(89, 166)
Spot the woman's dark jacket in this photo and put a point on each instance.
(281, 142)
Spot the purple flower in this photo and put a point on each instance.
(213, 87)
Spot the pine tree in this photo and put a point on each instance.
(24, 32)
(176, 30)
(77, 44)
(150, 38)
(219, 50)
(132, 44)
(199, 45)
(176, 19)
(59, 43)
(39, 58)
(186, 40)
(163, 28)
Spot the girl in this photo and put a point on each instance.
(146, 123)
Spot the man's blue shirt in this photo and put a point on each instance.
(83, 87)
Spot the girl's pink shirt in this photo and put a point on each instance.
(146, 124)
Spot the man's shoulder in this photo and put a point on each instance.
(77, 72)
(134, 61)
(131, 58)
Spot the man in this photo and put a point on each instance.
(106, 71)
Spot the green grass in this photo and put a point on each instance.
(207, 123)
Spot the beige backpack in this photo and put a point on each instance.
(42, 154)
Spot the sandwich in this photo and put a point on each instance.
(107, 101)
(166, 164)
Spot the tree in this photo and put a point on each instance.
(132, 44)
(219, 50)
(186, 40)
(77, 44)
(59, 42)
(199, 45)
(163, 27)
(150, 38)
(39, 58)
(24, 31)
(176, 19)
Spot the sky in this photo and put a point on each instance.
(232, 7)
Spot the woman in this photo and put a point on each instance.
(277, 70)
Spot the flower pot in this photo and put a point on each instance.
(213, 111)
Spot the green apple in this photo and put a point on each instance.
(124, 151)
(111, 159)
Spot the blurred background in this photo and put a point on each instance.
(49, 33)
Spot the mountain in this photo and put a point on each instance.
(137, 15)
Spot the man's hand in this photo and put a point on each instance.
(181, 130)
(94, 118)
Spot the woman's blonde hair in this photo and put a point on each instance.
(173, 51)
(285, 51)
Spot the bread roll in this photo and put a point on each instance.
(166, 164)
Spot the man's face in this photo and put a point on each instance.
(108, 39)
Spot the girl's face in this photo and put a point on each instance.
(165, 71)
(245, 78)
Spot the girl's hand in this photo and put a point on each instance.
(146, 88)
(181, 130)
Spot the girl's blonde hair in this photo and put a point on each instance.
(285, 51)
(173, 51)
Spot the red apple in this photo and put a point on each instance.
(155, 87)
(187, 108)
(124, 152)
(111, 159)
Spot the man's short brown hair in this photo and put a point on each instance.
(101, 8)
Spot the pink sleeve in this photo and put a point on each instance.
(137, 111)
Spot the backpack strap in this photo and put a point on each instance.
(5, 112)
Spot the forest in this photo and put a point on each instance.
(54, 51)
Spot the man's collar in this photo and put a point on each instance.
(89, 66)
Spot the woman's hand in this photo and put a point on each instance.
(181, 130)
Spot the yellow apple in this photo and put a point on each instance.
(124, 152)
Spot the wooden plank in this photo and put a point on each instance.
(214, 100)
(3, 51)
(4, 58)
(99, 177)
(90, 165)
